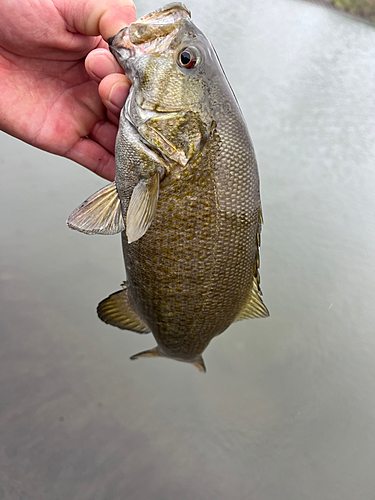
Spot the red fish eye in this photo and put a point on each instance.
(187, 58)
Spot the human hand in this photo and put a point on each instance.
(47, 97)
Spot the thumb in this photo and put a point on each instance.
(99, 17)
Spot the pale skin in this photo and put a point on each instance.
(61, 89)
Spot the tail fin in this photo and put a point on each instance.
(154, 353)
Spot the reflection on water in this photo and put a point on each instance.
(286, 410)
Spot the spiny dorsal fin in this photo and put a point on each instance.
(142, 207)
(99, 214)
(115, 310)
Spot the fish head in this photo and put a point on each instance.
(167, 58)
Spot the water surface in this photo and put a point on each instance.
(287, 408)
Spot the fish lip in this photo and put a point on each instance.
(165, 8)
(122, 54)
(122, 39)
(171, 13)
(120, 46)
(115, 51)
(119, 37)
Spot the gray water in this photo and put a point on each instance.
(287, 408)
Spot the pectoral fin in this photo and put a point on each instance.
(255, 307)
(99, 214)
(116, 310)
(142, 207)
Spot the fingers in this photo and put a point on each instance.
(100, 63)
(104, 18)
(93, 156)
(104, 133)
(109, 21)
(113, 91)
(113, 84)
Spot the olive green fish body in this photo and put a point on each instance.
(192, 272)
(187, 178)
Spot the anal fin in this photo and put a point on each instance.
(115, 310)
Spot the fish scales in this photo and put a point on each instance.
(197, 259)
(188, 182)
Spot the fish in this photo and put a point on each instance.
(186, 195)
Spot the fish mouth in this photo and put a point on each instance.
(173, 11)
(150, 33)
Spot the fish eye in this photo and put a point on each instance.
(187, 58)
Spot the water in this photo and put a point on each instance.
(287, 409)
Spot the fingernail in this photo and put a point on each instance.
(118, 94)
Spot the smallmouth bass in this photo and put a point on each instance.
(186, 193)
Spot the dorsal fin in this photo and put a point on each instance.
(99, 214)
(254, 307)
(116, 310)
